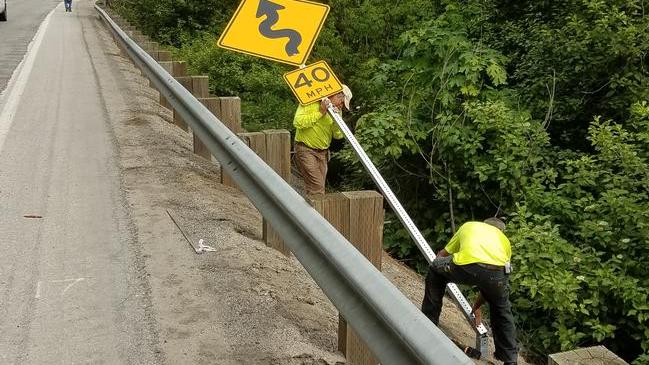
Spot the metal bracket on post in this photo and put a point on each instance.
(482, 338)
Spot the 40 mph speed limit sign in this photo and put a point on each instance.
(313, 82)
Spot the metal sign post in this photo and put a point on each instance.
(482, 339)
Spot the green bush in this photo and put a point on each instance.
(267, 102)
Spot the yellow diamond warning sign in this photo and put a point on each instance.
(279, 30)
(313, 82)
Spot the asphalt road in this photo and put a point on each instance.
(70, 288)
(16, 33)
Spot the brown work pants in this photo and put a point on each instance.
(312, 165)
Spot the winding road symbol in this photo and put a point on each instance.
(271, 11)
(279, 30)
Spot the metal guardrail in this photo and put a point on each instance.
(393, 328)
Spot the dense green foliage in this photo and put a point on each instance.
(535, 111)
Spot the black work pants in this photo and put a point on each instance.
(494, 286)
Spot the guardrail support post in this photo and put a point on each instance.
(214, 105)
(186, 82)
(164, 56)
(366, 215)
(231, 117)
(168, 66)
(201, 86)
(175, 69)
(589, 355)
(274, 148)
(231, 113)
(179, 68)
(138, 37)
(357, 215)
(197, 86)
(278, 157)
(366, 234)
(152, 49)
(257, 143)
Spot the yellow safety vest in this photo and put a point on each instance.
(477, 242)
(314, 129)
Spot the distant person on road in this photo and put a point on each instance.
(68, 5)
(478, 254)
(314, 129)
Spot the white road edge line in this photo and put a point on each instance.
(10, 97)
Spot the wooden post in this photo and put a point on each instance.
(366, 222)
(201, 86)
(179, 68)
(366, 216)
(596, 355)
(214, 105)
(152, 49)
(124, 25)
(128, 30)
(186, 82)
(278, 157)
(231, 113)
(164, 56)
(139, 38)
(358, 216)
(335, 209)
(168, 66)
(197, 86)
(257, 142)
(175, 69)
(231, 117)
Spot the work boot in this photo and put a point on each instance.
(504, 362)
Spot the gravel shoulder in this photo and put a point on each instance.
(244, 303)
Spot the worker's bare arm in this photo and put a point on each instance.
(477, 312)
(324, 104)
(442, 253)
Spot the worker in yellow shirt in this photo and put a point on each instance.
(314, 129)
(479, 255)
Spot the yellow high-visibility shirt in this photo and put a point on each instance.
(477, 242)
(314, 129)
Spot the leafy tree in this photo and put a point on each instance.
(573, 60)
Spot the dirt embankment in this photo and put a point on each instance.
(244, 303)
